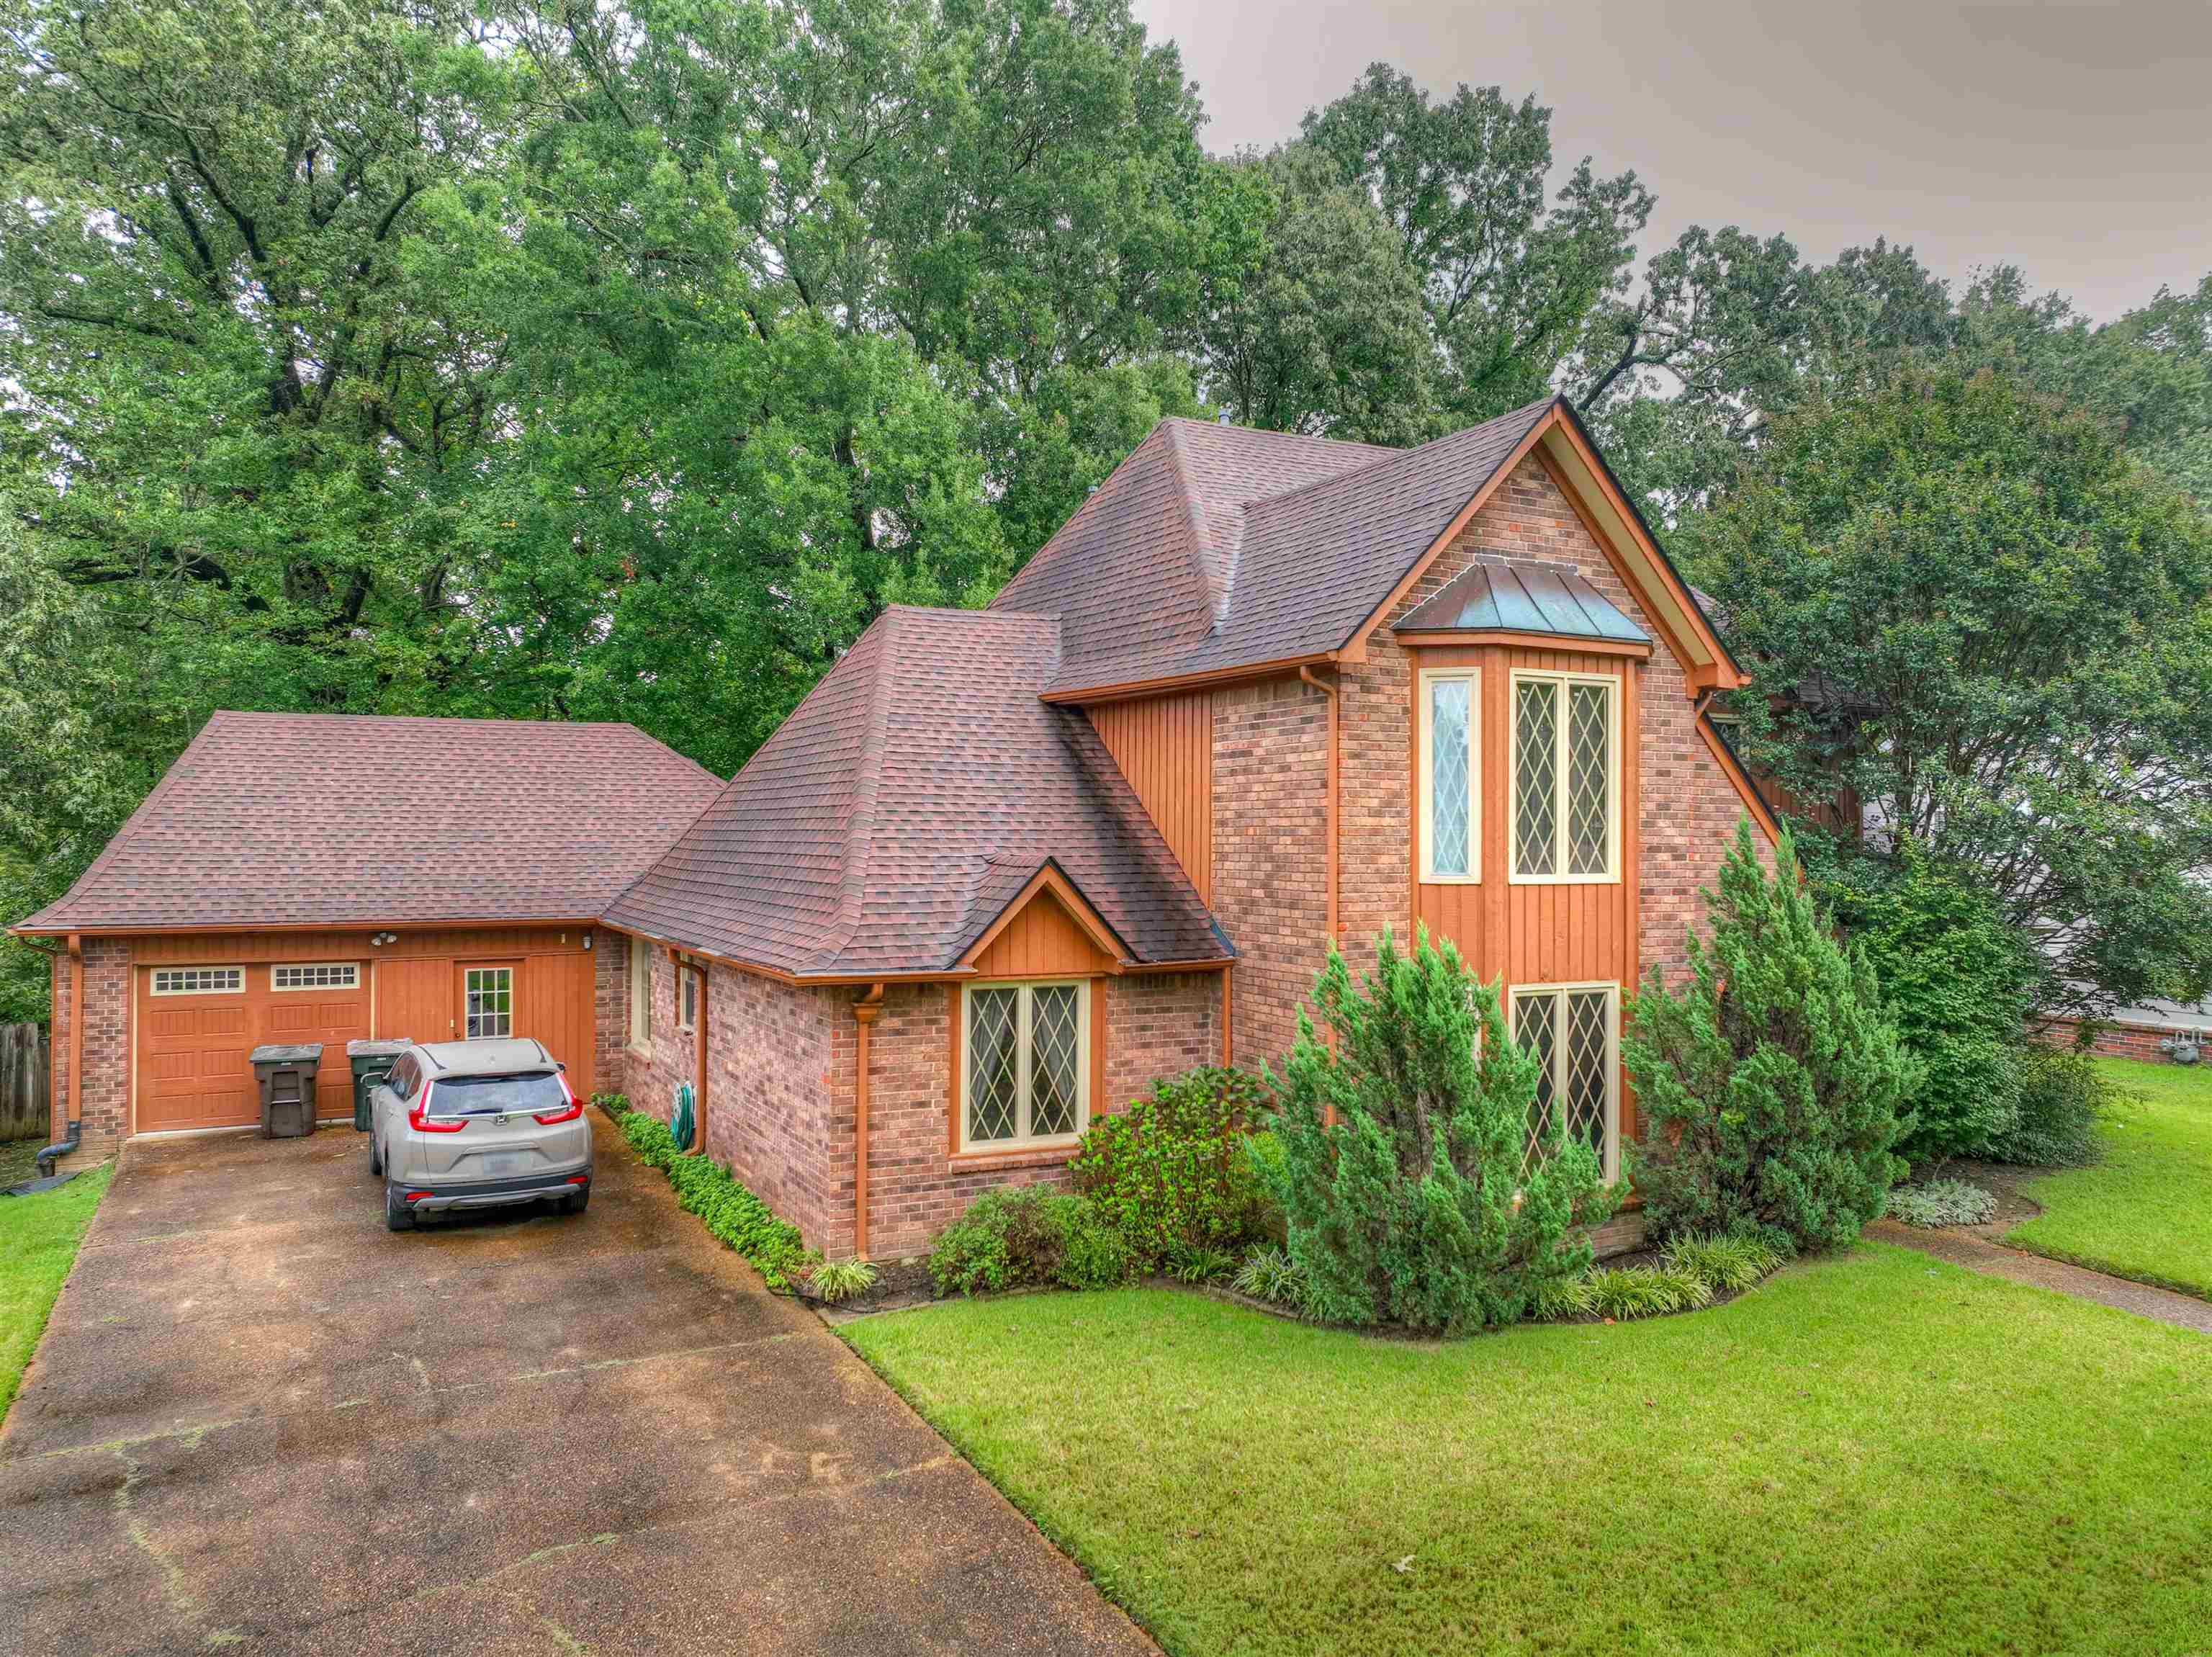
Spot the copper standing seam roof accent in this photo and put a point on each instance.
(906, 803)
(295, 819)
(1514, 595)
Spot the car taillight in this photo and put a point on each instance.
(422, 1121)
(568, 1112)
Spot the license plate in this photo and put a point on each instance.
(508, 1162)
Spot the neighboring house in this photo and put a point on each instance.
(1002, 868)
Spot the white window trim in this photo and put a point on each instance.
(278, 989)
(1611, 684)
(694, 979)
(1022, 1018)
(512, 977)
(1513, 995)
(153, 983)
(1472, 677)
(639, 1034)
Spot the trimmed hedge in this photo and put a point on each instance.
(772, 1245)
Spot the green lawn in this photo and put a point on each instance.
(1870, 1453)
(2145, 1211)
(39, 1237)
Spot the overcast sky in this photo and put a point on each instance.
(2073, 138)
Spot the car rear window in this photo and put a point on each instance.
(490, 1095)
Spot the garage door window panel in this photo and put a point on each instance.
(199, 980)
(315, 975)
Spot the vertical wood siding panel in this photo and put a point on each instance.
(1164, 746)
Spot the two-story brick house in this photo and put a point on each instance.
(1002, 868)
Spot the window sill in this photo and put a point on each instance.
(1020, 1156)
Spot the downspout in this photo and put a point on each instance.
(865, 1013)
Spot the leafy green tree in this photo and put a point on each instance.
(1772, 1085)
(1960, 983)
(1321, 330)
(1972, 609)
(1406, 1174)
(1511, 272)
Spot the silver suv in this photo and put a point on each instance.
(477, 1125)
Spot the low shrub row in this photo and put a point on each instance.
(1689, 1272)
(1942, 1203)
(772, 1245)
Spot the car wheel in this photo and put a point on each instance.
(397, 1216)
(575, 1204)
(375, 1160)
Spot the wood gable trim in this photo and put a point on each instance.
(1619, 529)
(1049, 880)
(1739, 779)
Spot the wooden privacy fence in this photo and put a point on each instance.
(22, 1081)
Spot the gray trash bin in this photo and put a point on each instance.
(287, 1076)
(372, 1062)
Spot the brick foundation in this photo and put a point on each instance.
(2119, 1038)
(103, 1105)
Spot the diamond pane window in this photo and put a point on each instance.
(1447, 778)
(1027, 1073)
(1565, 791)
(1569, 1032)
(993, 1065)
(1535, 777)
(1590, 779)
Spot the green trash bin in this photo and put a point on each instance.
(372, 1062)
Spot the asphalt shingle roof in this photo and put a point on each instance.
(290, 819)
(905, 802)
(1219, 547)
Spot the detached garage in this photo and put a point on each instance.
(305, 877)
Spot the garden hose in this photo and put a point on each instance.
(680, 1125)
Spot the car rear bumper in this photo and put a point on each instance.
(495, 1193)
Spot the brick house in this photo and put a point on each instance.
(1002, 868)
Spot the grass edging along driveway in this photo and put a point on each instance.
(39, 1238)
(2145, 1211)
(1871, 1452)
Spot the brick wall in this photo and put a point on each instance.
(770, 1068)
(1270, 836)
(610, 1011)
(103, 1105)
(1155, 1025)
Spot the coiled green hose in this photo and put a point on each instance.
(680, 1123)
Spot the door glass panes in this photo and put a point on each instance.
(1449, 791)
(993, 1065)
(488, 998)
(1053, 1051)
(1590, 779)
(1535, 777)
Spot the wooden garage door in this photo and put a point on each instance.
(198, 1024)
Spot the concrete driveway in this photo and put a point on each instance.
(261, 1422)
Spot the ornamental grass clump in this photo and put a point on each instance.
(1269, 1274)
(1423, 1201)
(1729, 1263)
(1771, 1086)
